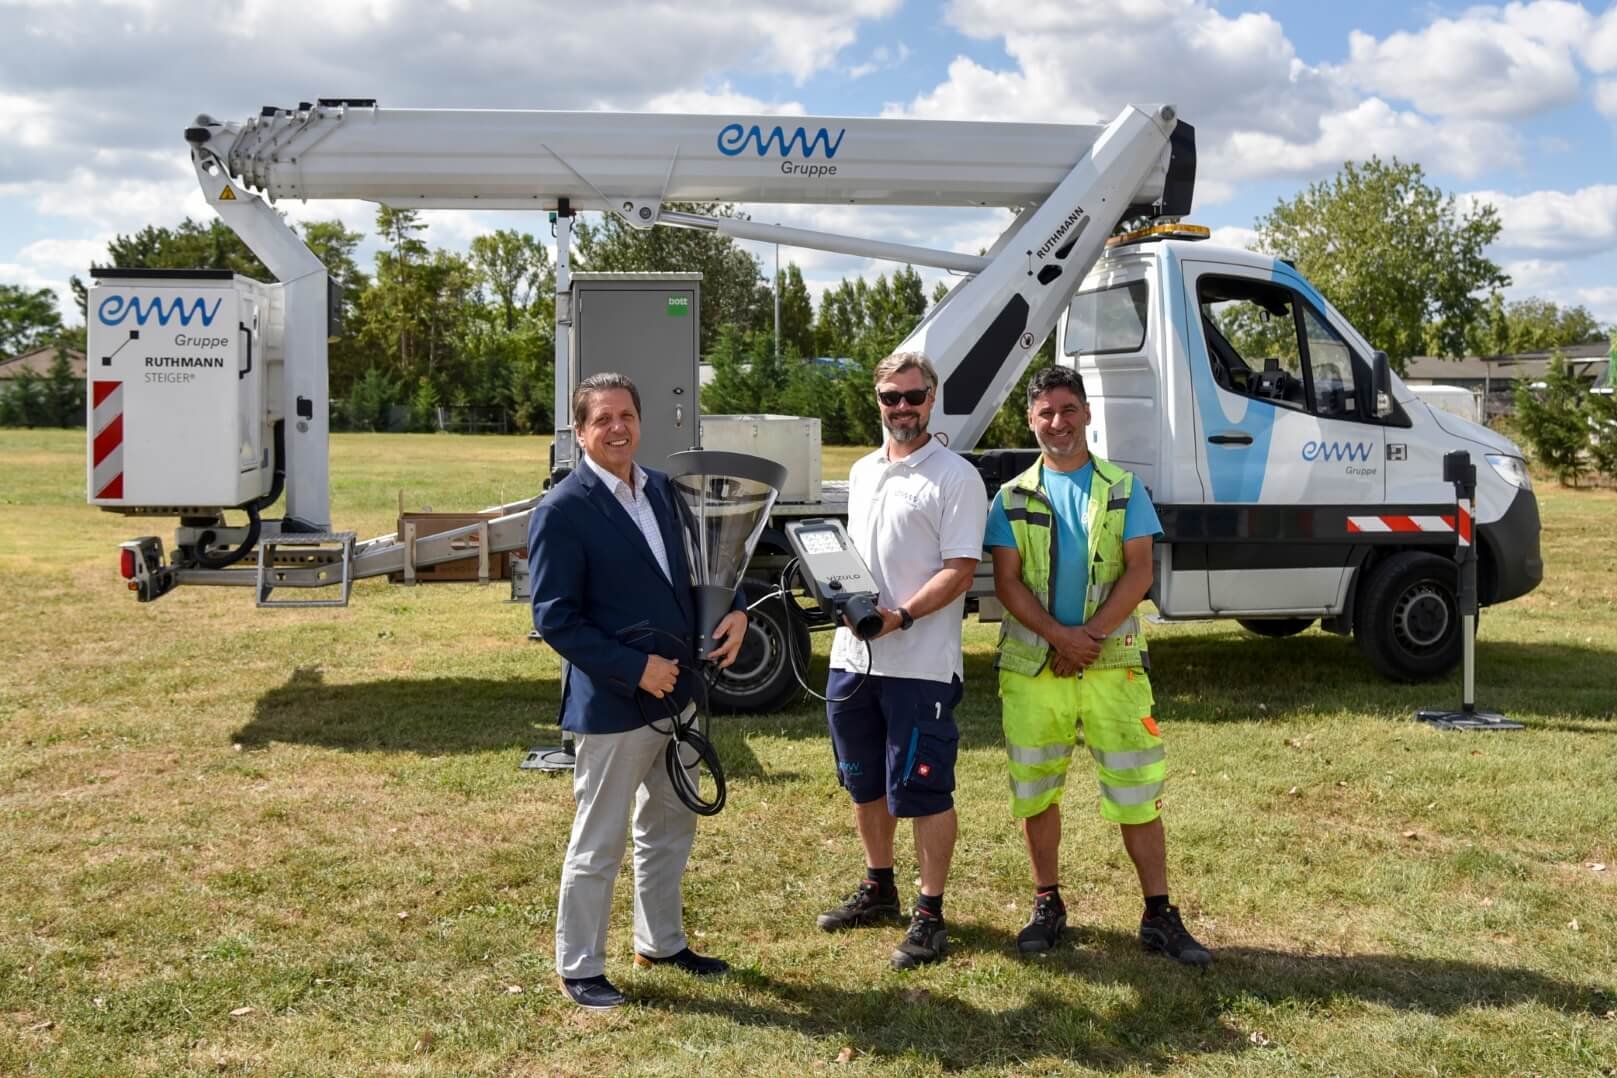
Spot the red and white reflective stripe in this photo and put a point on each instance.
(1399, 524)
(107, 445)
(1392, 523)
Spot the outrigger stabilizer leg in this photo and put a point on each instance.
(1458, 469)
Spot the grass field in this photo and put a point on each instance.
(297, 842)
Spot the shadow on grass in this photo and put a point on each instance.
(1173, 1011)
(1204, 677)
(431, 716)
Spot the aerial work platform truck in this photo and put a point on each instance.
(1295, 480)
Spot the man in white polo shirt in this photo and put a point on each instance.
(916, 513)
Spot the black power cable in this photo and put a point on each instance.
(689, 751)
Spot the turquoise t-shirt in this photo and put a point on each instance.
(1069, 496)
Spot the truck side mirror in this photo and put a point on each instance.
(1381, 384)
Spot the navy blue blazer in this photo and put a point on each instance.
(601, 601)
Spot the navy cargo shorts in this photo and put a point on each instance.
(895, 736)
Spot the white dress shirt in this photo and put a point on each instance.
(638, 506)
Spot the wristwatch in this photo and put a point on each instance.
(904, 619)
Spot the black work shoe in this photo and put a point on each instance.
(592, 993)
(927, 941)
(1043, 930)
(1166, 933)
(689, 961)
(865, 906)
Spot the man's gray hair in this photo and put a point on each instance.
(599, 383)
(899, 362)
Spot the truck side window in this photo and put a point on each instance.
(1252, 339)
(1108, 320)
(1331, 363)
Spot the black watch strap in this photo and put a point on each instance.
(904, 619)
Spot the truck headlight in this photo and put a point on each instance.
(1512, 470)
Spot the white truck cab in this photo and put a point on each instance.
(1288, 492)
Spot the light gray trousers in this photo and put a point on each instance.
(615, 772)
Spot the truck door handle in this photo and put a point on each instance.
(679, 415)
(1238, 438)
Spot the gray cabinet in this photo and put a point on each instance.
(646, 326)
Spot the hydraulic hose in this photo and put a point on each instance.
(253, 508)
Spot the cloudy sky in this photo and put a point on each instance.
(1515, 105)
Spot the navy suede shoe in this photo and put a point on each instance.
(592, 993)
(689, 961)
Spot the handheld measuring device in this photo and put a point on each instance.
(835, 575)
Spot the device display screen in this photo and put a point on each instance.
(819, 541)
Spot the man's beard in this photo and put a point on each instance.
(1073, 450)
(905, 435)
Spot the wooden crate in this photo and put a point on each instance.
(460, 570)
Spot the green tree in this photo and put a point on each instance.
(370, 400)
(1554, 422)
(27, 318)
(516, 269)
(734, 290)
(424, 404)
(1394, 255)
(188, 245)
(796, 313)
(62, 392)
(731, 392)
(1602, 410)
(22, 400)
(1530, 325)
(334, 244)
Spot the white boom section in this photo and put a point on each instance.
(625, 162)
(1071, 184)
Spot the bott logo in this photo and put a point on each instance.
(734, 138)
(115, 309)
(1329, 451)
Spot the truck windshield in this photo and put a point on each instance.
(1108, 320)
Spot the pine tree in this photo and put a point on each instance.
(1554, 422)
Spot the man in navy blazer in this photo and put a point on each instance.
(612, 595)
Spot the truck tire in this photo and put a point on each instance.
(761, 679)
(1407, 620)
(1274, 627)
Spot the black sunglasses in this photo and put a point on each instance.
(912, 397)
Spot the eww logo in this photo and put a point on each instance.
(1329, 451)
(734, 138)
(115, 309)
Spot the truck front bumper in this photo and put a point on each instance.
(1514, 564)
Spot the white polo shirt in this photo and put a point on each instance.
(906, 518)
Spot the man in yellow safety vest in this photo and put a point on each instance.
(1071, 542)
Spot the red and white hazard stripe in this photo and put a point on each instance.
(107, 444)
(1387, 523)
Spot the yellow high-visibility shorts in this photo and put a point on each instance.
(1041, 716)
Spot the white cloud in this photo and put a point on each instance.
(1534, 276)
(1605, 93)
(724, 100)
(881, 59)
(1599, 48)
(1601, 301)
(1371, 127)
(1259, 110)
(1493, 63)
(1235, 236)
(1553, 224)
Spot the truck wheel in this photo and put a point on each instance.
(761, 678)
(1274, 627)
(1407, 620)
